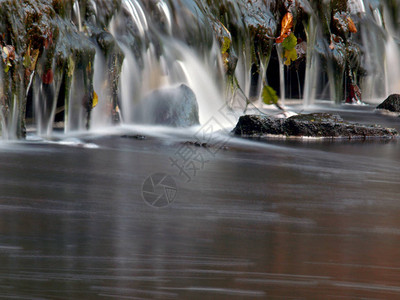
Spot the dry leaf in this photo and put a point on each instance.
(48, 77)
(352, 27)
(95, 99)
(286, 27)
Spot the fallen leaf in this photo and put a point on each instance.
(7, 66)
(27, 59)
(352, 27)
(71, 66)
(34, 58)
(269, 95)
(48, 77)
(289, 42)
(290, 55)
(286, 27)
(95, 99)
(226, 45)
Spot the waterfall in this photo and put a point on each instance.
(77, 13)
(166, 61)
(312, 64)
(95, 71)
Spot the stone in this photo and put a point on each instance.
(175, 107)
(392, 103)
(257, 125)
(319, 125)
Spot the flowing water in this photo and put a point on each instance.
(166, 43)
(260, 220)
(274, 219)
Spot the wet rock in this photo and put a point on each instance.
(176, 107)
(321, 125)
(197, 144)
(224, 39)
(392, 103)
(135, 136)
(256, 125)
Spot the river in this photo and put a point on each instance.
(276, 219)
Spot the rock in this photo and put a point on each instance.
(255, 125)
(197, 144)
(308, 125)
(392, 103)
(135, 136)
(176, 107)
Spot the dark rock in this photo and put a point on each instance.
(176, 107)
(197, 144)
(308, 125)
(136, 136)
(392, 103)
(255, 125)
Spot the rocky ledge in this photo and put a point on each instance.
(318, 125)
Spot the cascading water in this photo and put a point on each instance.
(164, 61)
(95, 71)
(392, 74)
(312, 64)
(77, 14)
(375, 39)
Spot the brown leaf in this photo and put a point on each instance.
(352, 27)
(47, 77)
(34, 58)
(286, 27)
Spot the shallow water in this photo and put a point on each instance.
(260, 219)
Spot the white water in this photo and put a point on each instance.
(392, 63)
(178, 63)
(101, 86)
(380, 58)
(161, 57)
(312, 65)
(77, 13)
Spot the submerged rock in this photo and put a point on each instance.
(392, 103)
(308, 125)
(176, 107)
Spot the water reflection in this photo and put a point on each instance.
(275, 220)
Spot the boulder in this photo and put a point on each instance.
(176, 107)
(320, 125)
(257, 125)
(392, 103)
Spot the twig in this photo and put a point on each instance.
(247, 99)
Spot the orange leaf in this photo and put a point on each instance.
(286, 27)
(352, 27)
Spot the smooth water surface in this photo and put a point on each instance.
(259, 220)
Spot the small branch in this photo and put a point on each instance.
(247, 99)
